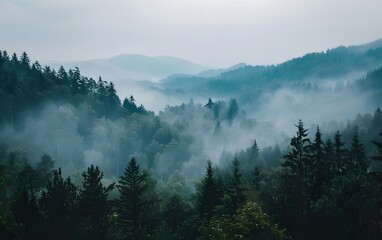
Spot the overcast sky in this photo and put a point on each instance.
(216, 33)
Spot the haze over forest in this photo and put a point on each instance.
(54, 118)
(191, 120)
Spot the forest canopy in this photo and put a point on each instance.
(76, 162)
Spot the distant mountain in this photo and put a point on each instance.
(133, 67)
(216, 72)
(248, 81)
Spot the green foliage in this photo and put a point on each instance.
(248, 222)
(357, 153)
(208, 193)
(298, 159)
(58, 205)
(236, 187)
(93, 204)
(349, 208)
(131, 204)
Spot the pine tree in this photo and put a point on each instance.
(329, 156)
(93, 204)
(209, 193)
(320, 166)
(24, 60)
(58, 205)
(254, 155)
(209, 105)
(357, 153)
(235, 188)
(132, 187)
(298, 160)
(62, 76)
(233, 110)
(340, 154)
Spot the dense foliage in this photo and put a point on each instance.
(327, 186)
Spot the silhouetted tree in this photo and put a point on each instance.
(209, 105)
(236, 187)
(233, 110)
(132, 187)
(320, 165)
(357, 153)
(58, 206)
(298, 161)
(93, 204)
(209, 193)
(340, 154)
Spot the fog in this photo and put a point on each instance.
(183, 135)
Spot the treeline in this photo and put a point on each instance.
(71, 117)
(321, 190)
(252, 81)
(26, 86)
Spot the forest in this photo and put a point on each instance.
(77, 162)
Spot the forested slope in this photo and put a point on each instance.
(76, 163)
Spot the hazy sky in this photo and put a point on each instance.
(216, 33)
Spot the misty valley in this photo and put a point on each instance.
(286, 151)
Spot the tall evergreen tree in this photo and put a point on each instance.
(329, 156)
(58, 205)
(320, 165)
(24, 60)
(132, 187)
(93, 204)
(209, 105)
(340, 154)
(235, 188)
(62, 76)
(298, 160)
(254, 154)
(233, 110)
(209, 193)
(357, 153)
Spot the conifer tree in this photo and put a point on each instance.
(209, 193)
(320, 166)
(235, 188)
(24, 60)
(297, 161)
(58, 205)
(62, 76)
(254, 154)
(233, 110)
(209, 105)
(340, 154)
(357, 153)
(329, 156)
(132, 187)
(93, 204)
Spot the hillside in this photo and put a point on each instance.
(338, 64)
(133, 67)
(75, 160)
